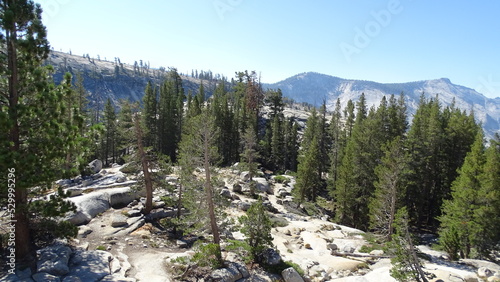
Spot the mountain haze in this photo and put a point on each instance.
(313, 88)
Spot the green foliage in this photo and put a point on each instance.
(355, 179)
(131, 168)
(338, 140)
(170, 109)
(281, 179)
(207, 254)
(242, 248)
(278, 221)
(366, 249)
(449, 241)
(406, 265)
(228, 139)
(149, 113)
(278, 269)
(41, 124)
(256, 226)
(110, 137)
(459, 219)
(438, 141)
(250, 154)
(375, 242)
(308, 177)
(389, 188)
(46, 230)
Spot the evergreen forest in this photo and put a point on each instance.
(359, 166)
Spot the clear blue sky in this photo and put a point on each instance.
(378, 40)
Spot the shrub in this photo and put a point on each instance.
(277, 269)
(207, 255)
(241, 248)
(257, 229)
(278, 222)
(281, 179)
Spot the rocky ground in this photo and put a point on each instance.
(117, 243)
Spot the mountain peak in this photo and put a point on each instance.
(313, 88)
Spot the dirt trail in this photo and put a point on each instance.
(148, 265)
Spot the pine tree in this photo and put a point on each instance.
(170, 115)
(125, 127)
(438, 142)
(291, 144)
(338, 143)
(349, 117)
(274, 98)
(425, 140)
(145, 165)
(257, 229)
(75, 118)
(149, 119)
(277, 143)
(397, 112)
(460, 130)
(311, 131)
(488, 212)
(228, 139)
(254, 98)
(354, 182)
(459, 213)
(323, 141)
(110, 136)
(308, 177)
(81, 96)
(406, 264)
(250, 154)
(389, 188)
(33, 113)
(198, 149)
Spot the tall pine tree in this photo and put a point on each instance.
(33, 119)
(389, 188)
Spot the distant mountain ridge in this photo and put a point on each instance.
(314, 87)
(114, 80)
(105, 79)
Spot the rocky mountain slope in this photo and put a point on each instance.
(115, 80)
(313, 88)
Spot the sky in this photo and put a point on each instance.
(378, 40)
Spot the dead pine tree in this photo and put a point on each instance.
(198, 150)
(145, 166)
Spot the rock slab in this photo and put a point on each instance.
(291, 275)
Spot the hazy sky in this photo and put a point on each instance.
(383, 41)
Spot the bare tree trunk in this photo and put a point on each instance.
(24, 250)
(209, 191)
(392, 215)
(145, 168)
(179, 202)
(416, 262)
